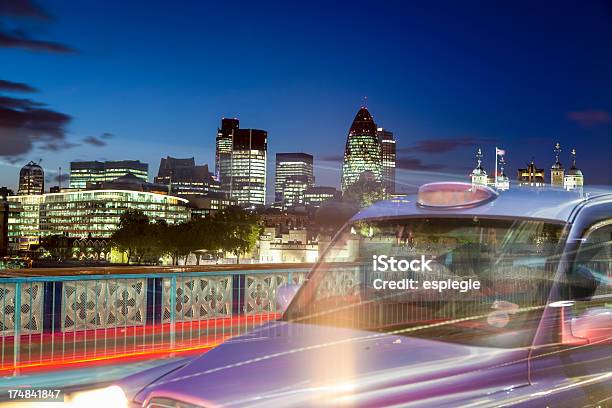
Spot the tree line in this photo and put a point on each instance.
(232, 230)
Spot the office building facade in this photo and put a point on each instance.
(248, 167)
(91, 213)
(294, 174)
(84, 172)
(314, 197)
(388, 158)
(184, 178)
(223, 152)
(362, 153)
(31, 179)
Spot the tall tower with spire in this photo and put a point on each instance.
(362, 153)
(557, 172)
(479, 175)
(574, 177)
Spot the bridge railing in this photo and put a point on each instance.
(64, 319)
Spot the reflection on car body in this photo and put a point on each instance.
(536, 332)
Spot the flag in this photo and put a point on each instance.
(499, 152)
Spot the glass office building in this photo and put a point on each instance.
(248, 167)
(31, 179)
(362, 153)
(223, 152)
(314, 197)
(92, 213)
(294, 174)
(388, 158)
(83, 172)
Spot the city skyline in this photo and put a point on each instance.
(481, 84)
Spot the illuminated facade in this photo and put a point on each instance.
(184, 179)
(223, 152)
(84, 172)
(91, 213)
(531, 175)
(573, 179)
(362, 153)
(388, 157)
(557, 172)
(314, 197)
(31, 179)
(211, 203)
(294, 174)
(248, 167)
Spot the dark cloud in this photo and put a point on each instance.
(95, 141)
(444, 145)
(15, 87)
(107, 135)
(20, 40)
(25, 123)
(23, 9)
(57, 146)
(412, 163)
(590, 118)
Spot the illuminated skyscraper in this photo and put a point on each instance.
(83, 172)
(31, 179)
(223, 156)
(362, 153)
(557, 171)
(248, 167)
(294, 174)
(388, 156)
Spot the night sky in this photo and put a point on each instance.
(145, 79)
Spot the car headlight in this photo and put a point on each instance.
(112, 396)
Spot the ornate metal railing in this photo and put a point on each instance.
(48, 319)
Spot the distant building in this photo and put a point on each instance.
(127, 182)
(4, 217)
(31, 179)
(294, 174)
(362, 153)
(557, 172)
(94, 213)
(388, 157)
(184, 179)
(314, 197)
(574, 179)
(203, 206)
(248, 167)
(290, 247)
(531, 175)
(223, 156)
(83, 172)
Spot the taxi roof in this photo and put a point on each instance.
(544, 203)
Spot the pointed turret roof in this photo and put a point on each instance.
(363, 124)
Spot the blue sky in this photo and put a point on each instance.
(159, 77)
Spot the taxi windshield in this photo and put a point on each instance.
(464, 280)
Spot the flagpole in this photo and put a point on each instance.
(495, 167)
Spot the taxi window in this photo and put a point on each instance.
(476, 281)
(591, 273)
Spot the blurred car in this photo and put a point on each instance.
(535, 331)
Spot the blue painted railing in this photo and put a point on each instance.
(47, 319)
